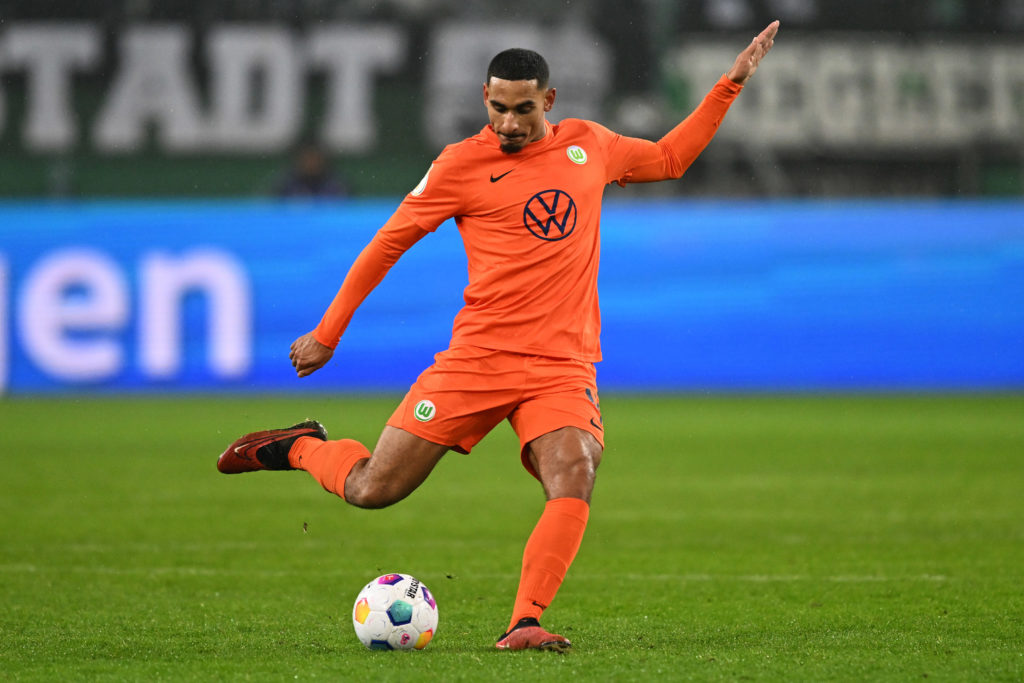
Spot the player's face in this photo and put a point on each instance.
(516, 110)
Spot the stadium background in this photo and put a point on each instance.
(857, 223)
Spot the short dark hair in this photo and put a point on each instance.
(518, 64)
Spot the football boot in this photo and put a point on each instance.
(267, 450)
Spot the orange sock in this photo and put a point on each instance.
(329, 462)
(549, 552)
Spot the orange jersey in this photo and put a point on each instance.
(530, 223)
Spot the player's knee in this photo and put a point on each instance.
(584, 463)
(571, 477)
(374, 493)
(584, 467)
(371, 497)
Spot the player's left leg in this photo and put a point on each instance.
(566, 462)
(561, 435)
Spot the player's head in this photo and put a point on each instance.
(517, 96)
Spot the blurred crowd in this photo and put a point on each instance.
(637, 47)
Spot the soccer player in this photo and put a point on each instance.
(526, 197)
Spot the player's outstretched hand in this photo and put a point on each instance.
(308, 355)
(746, 63)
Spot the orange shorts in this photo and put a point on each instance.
(468, 390)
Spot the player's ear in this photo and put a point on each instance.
(486, 94)
(549, 99)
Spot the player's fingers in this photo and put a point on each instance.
(766, 38)
(763, 47)
(308, 369)
(750, 55)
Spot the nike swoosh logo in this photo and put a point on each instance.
(263, 441)
(596, 425)
(494, 180)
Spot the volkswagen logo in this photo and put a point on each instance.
(550, 215)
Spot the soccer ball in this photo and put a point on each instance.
(395, 612)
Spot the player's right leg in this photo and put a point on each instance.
(452, 405)
(398, 465)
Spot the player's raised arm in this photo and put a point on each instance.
(311, 351)
(746, 62)
(643, 161)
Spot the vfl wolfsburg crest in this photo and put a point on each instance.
(576, 154)
(424, 411)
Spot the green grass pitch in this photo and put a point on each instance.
(731, 538)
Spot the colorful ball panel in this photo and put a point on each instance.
(361, 611)
(428, 597)
(400, 612)
(424, 638)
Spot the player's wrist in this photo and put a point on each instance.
(328, 340)
(734, 79)
(726, 89)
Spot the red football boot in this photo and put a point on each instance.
(528, 634)
(267, 450)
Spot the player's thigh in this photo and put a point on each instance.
(563, 394)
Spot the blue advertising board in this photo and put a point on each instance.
(696, 296)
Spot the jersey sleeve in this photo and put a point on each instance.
(369, 268)
(634, 160)
(439, 195)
